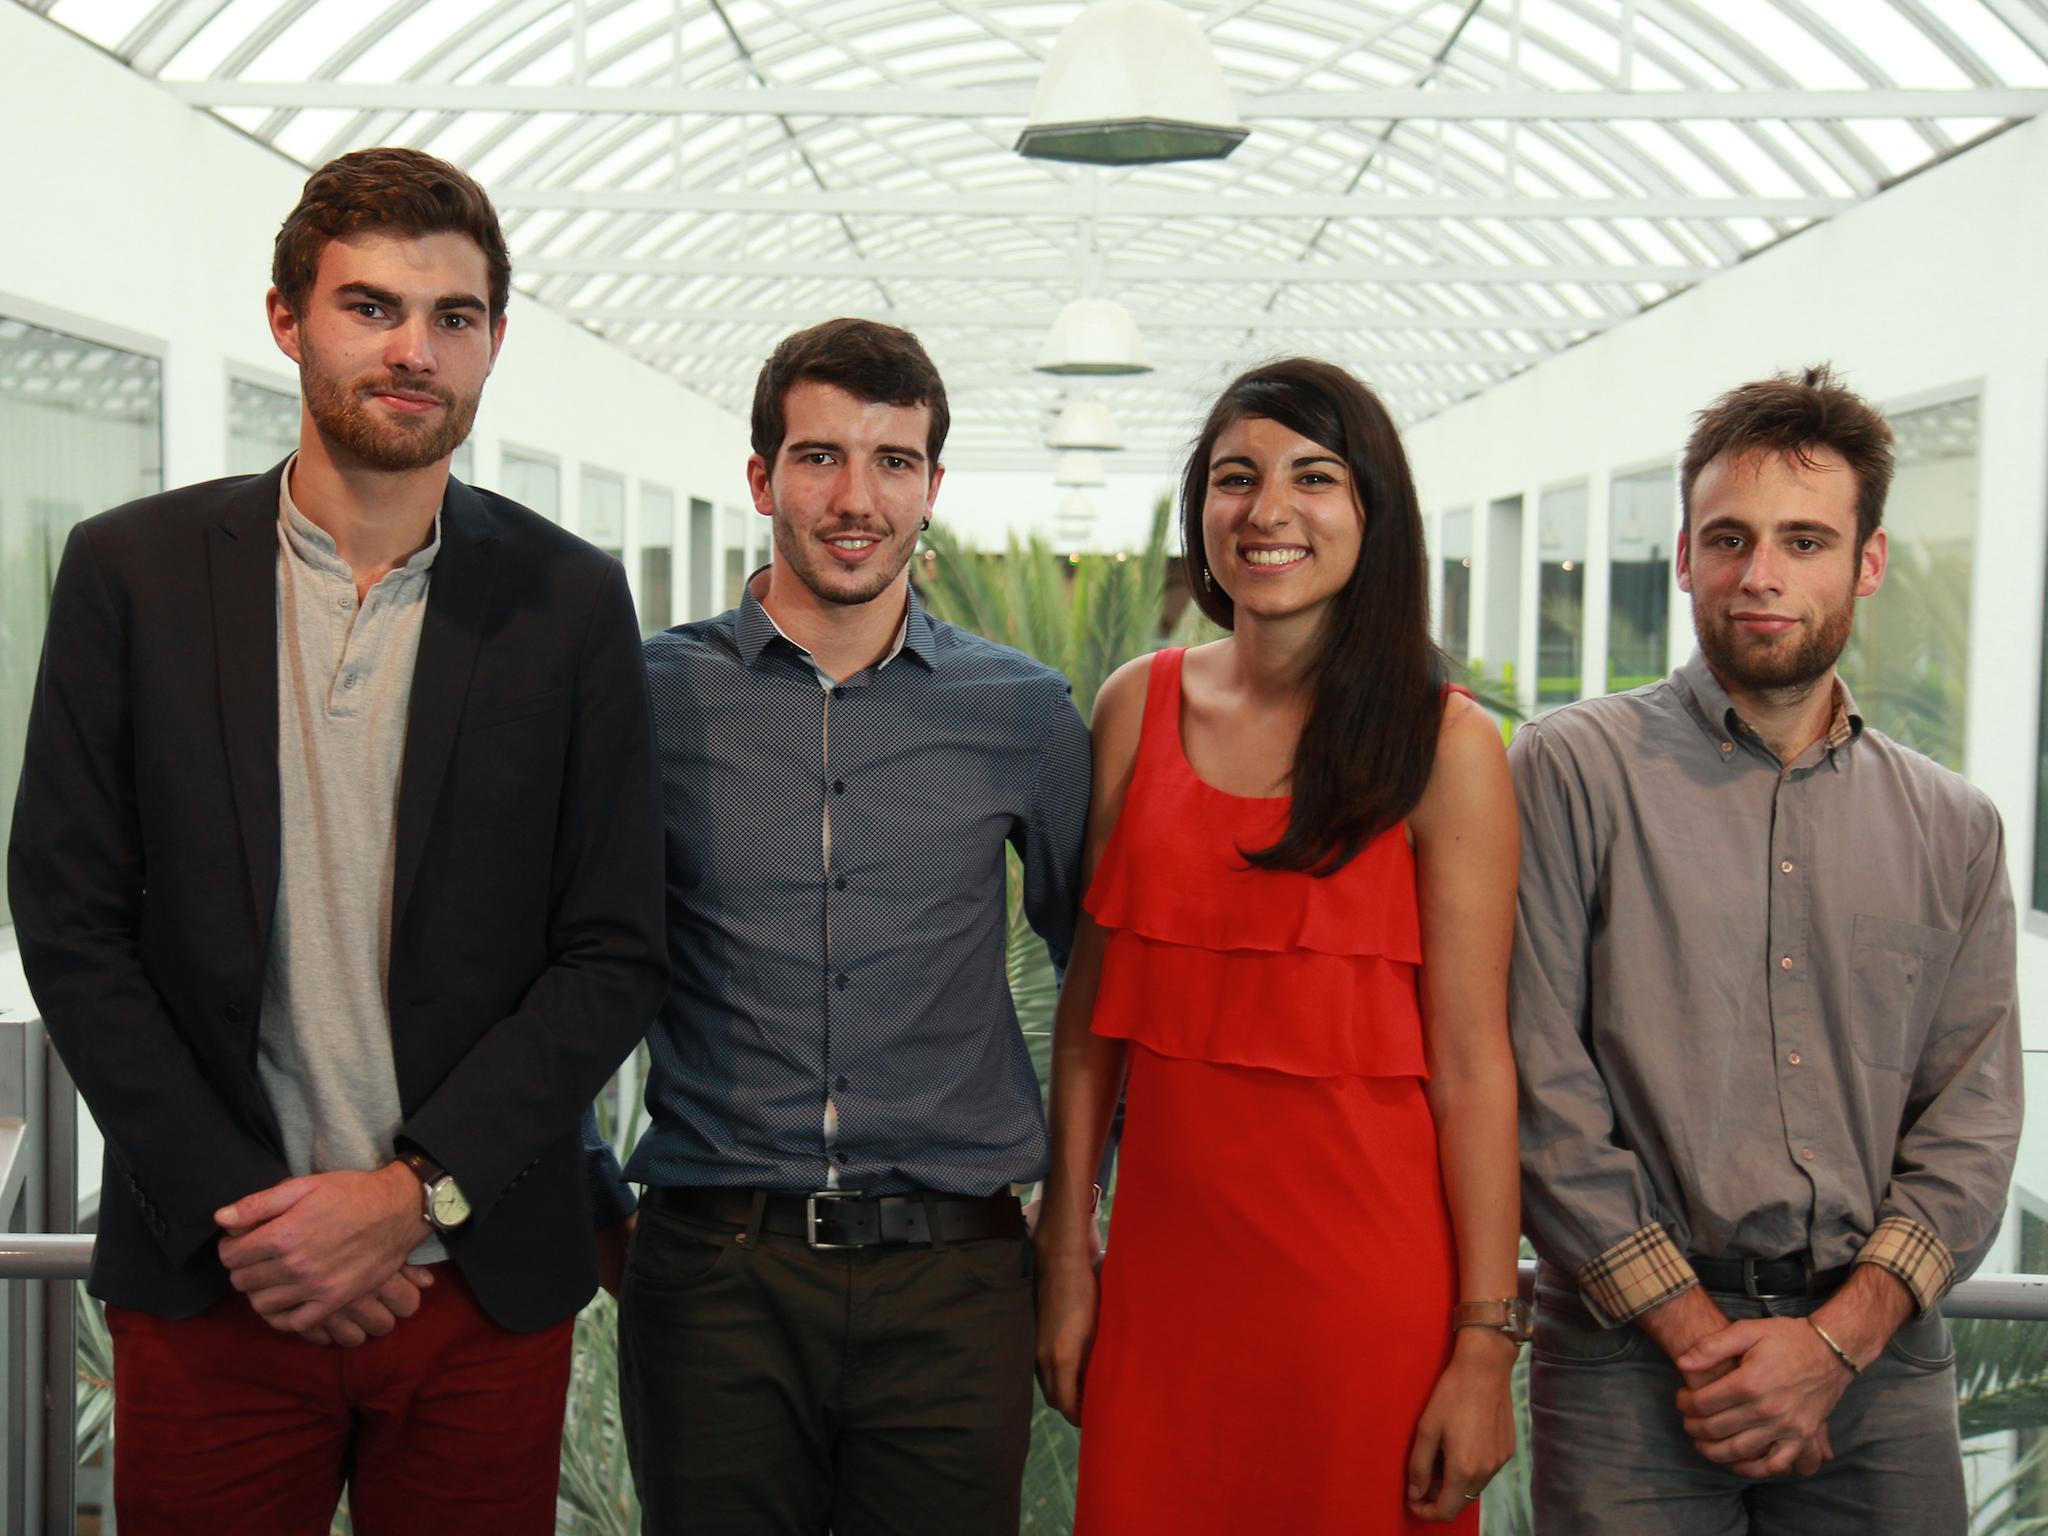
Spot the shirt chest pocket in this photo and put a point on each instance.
(1896, 974)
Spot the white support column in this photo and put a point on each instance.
(1527, 648)
(1598, 586)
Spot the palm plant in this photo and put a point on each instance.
(1909, 654)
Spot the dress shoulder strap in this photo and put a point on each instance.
(1159, 731)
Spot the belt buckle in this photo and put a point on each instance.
(1749, 1287)
(811, 1217)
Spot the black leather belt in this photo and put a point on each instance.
(846, 1218)
(1793, 1275)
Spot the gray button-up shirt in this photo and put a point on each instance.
(1758, 1009)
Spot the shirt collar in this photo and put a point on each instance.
(312, 545)
(757, 627)
(1720, 719)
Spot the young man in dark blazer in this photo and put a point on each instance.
(336, 876)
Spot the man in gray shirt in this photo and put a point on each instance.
(1764, 1012)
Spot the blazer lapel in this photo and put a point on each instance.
(241, 558)
(458, 602)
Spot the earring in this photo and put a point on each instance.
(1208, 581)
(926, 523)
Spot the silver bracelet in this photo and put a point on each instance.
(1841, 1354)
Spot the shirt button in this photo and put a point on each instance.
(839, 884)
(1785, 868)
(839, 786)
(344, 603)
(1727, 746)
(1794, 1057)
(844, 1158)
(841, 983)
(1785, 964)
(839, 1083)
(349, 681)
(1806, 1153)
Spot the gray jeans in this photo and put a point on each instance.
(1611, 1458)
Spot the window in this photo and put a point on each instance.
(1560, 592)
(1908, 660)
(81, 430)
(700, 559)
(533, 482)
(263, 426)
(657, 547)
(601, 509)
(738, 556)
(1642, 534)
(1454, 549)
(1497, 642)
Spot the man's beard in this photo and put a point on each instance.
(1755, 663)
(816, 570)
(341, 412)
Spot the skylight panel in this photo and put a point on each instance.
(1898, 144)
(1692, 174)
(205, 51)
(309, 133)
(1907, 56)
(397, 53)
(1596, 44)
(1666, 58)
(466, 130)
(308, 43)
(1786, 47)
(2003, 50)
(106, 22)
(1827, 179)
(1751, 161)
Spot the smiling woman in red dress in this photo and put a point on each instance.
(1302, 856)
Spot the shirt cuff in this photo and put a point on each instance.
(1642, 1271)
(1920, 1261)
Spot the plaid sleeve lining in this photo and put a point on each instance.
(1902, 1247)
(1642, 1271)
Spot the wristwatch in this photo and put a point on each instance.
(444, 1204)
(1511, 1316)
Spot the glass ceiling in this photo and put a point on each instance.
(1436, 194)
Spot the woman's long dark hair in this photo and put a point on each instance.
(1376, 680)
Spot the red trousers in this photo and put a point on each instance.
(225, 1426)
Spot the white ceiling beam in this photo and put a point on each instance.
(1061, 274)
(1118, 202)
(1021, 359)
(782, 321)
(1350, 106)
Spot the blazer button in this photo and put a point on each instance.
(232, 1013)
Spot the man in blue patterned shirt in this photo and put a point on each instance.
(826, 1316)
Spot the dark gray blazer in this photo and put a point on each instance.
(526, 934)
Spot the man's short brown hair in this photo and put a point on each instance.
(380, 191)
(1797, 413)
(881, 364)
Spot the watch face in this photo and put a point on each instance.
(451, 1206)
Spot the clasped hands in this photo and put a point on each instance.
(323, 1256)
(1757, 1392)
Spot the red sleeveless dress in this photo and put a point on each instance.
(1276, 1300)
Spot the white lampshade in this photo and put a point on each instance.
(1131, 82)
(1075, 518)
(1093, 336)
(1079, 466)
(1085, 424)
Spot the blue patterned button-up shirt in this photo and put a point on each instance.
(838, 1010)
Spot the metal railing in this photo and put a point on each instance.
(38, 1323)
(39, 1334)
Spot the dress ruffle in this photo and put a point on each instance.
(1367, 909)
(1304, 1013)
